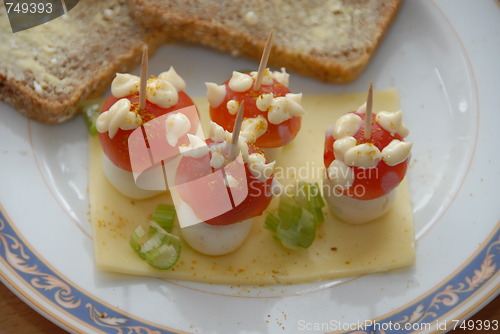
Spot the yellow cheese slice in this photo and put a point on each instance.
(339, 250)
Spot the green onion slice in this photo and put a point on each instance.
(164, 215)
(297, 217)
(137, 239)
(309, 197)
(157, 247)
(90, 110)
(272, 222)
(288, 210)
(299, 234)
(163, 250)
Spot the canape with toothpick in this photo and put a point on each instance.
(222, 184)
(365, 158)
(135, 101)
(272, 112)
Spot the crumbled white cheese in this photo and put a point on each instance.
(264, 101)
(217, 160)
(233, 106)
(267, 76)
(363, 155)
(197, 147)
(161, 92)
(125, 84)
(259, 168)
(347, 125)
(240, 82)
(176, 125)
(396, 152)
(392, 122)
(282, 77)
(341, 146)
(253, 128)
(119, 116)
(215, 94)
(174, 78)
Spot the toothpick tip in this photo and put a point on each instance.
(368, 113)
(263, 62)
(144, 77)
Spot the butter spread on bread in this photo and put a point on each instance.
(46, 70)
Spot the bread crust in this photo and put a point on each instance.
(47, 110)
(88, 76)
(325, 66)
(160, 20)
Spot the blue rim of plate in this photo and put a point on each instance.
(429, 310)
(33, 271)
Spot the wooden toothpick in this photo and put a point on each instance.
(263, 62)
(233, 150)
(144, 78)
(368, 113)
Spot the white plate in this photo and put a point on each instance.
(443, 58)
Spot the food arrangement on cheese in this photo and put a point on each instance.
(262, 255)
(239, 206)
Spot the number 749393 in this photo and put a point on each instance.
(477, 325)
(29, 7)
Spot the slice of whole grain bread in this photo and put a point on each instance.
(46, 70)
(331, 40)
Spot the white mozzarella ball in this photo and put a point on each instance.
(216, 239)
(123, 181)
(355, 211)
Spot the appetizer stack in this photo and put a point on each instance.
(219, 224)
(220, 186)
(272, 113)
(366, 158)
(121, 115)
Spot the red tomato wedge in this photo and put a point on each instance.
(116, 148)
(378, 181)
(256, 201)
(277, 135)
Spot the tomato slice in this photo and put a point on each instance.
(116, 148)
(377, 181)
(277, 135)
(253, 205)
